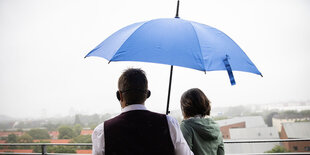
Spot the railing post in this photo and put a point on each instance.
(43, 147)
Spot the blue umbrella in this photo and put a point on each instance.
(176, 42)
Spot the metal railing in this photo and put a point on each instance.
(44, 145)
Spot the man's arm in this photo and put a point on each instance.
(180, 145)
(98, 140)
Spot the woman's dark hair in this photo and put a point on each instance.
(133, 85)
(195, 102)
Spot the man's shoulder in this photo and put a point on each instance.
(171, 119)
(98, 130)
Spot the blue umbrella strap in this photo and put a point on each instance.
(229, 71)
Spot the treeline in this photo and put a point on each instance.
(52, 124)
(65, 132)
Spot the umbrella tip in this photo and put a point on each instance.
(177, 14)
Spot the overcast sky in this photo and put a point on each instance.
(43, 43)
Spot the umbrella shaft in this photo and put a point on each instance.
(169, 89)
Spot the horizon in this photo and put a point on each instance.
(292, 106)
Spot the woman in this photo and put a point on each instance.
(202, 134)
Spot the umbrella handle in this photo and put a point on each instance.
(229, 71)
(168, 99)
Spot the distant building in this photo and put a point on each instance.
(83, 151)
(60, 140)
(225, 129)
(4, 134)
(53, 134)
(87, 132)
(20, 151)
(294, 131)
(240, 122)
(254, 133)
(52, 140)
(251, 134)
(277, 120)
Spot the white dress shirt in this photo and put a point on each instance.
(179, 143)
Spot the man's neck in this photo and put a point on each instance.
(134, 107)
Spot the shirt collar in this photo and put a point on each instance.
(134, 107)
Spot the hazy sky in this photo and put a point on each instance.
(43, 43)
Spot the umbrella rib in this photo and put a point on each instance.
(127, 39)
(204, 67)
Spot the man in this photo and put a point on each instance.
(137, 131)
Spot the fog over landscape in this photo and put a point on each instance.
(43, 72)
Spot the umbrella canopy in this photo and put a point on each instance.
(176, 42)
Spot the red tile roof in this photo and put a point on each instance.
(87, 132)
(2, 141)
(53, 134)
(16, 151)
(52, 140)
(83, 151)
(7, 133)
(60, 140)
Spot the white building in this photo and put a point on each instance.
(250, 121)
(253, 133)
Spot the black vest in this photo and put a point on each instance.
(138, 132)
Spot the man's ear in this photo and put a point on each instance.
(148, 94)
(118, 95)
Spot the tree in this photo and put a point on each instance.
(56, 149)
(39, 134)
(77, 130)
(65, 132)
(12, 138)
(277, 149)
(77, 120)
(51, 126)
(268, 118)
(83, 139)
(25, 138)
(63, 149)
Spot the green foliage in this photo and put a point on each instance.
(268, 117)
(64, 149)
(39, 134)
(12, 138)
(288, 112)
(237, 111)
(83, 139)
(77, 129)
(55, 149)
(305, 113)
(65, 132)
(77, 120)
(25, 138)
(51, 126)
(93, 126)
(277, 149)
